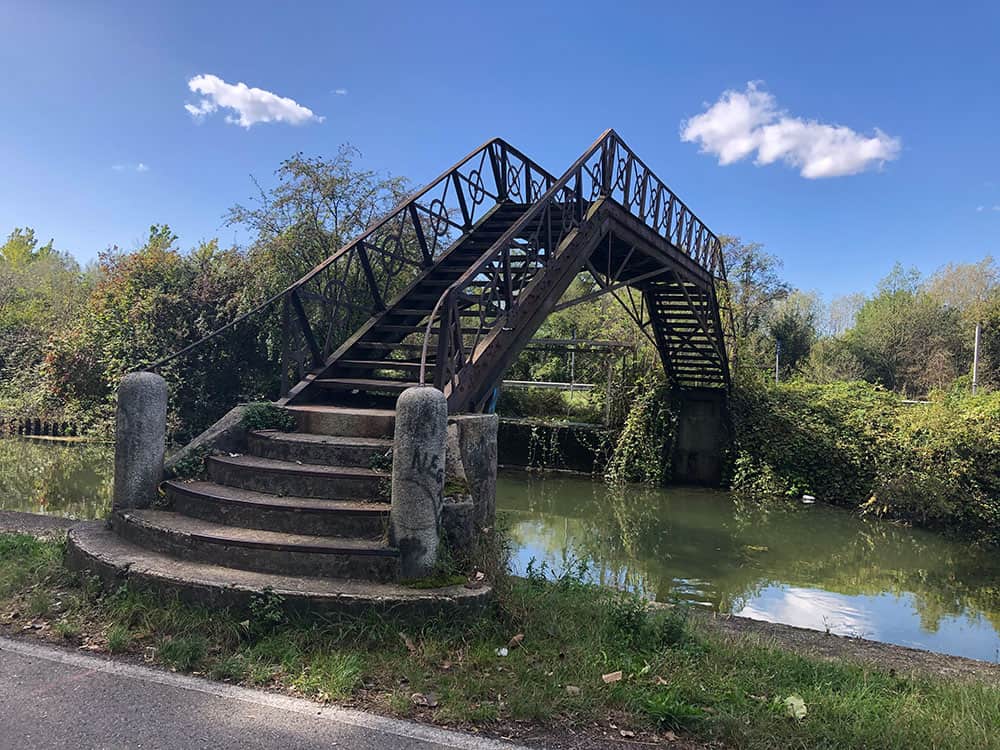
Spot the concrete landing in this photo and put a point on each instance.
(91, 547)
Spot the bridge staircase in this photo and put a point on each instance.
(445, 291)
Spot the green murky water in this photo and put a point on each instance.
(808, 565)
(55, 478)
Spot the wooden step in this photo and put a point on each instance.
(363, 384)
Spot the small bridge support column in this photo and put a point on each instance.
(418, 473)
(140, 440)
(702, 436)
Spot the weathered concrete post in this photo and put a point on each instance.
(140, 439)
(418, 470)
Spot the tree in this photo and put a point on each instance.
(753, 288)
(841, 313)
(41, 292)
(151, 303)
(22, 247)
(968, 287)
(792, 325)
(317, 207)
(906, 339)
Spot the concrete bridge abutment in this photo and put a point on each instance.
(702, 437)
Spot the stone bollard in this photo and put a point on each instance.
(418, 468)
(140, 438)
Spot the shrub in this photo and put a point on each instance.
(859, 445)
(266, 416)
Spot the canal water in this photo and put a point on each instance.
(808, 565)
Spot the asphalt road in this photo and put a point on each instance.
(50, 698)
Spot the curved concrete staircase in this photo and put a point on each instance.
(300, 514)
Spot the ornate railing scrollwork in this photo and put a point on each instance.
(491, 289)
(320, 310)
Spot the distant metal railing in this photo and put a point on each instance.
(333, 299)
(493, 286)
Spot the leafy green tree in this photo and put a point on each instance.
(149, 304)
(753, 289)
(41, 292)
(317, 206)
(22, 247)
(792, 325)
(906, 340)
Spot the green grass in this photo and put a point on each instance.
(119, 639)
(677, 673)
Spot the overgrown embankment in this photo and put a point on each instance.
(935, 464)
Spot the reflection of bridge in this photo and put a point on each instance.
(449, 287)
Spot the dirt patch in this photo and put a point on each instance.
(42, 527)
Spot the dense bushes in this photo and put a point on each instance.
(858, 445)
(148, 304)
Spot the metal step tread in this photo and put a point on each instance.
(363, 384)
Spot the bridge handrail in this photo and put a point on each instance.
(617, 174)
(430, 216)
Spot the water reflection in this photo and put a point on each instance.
(811, 566)
(55, 478)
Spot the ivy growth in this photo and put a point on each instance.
(642, 452)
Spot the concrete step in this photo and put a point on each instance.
(301, 480)
(292, 515)
(252, 549)
(324, 450)
(345, 421)
(92, 548)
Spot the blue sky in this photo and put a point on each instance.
(92, 90)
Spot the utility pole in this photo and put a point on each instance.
(975, 358)
(777, 358)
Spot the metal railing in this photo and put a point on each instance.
(322, 308)
(491, 289)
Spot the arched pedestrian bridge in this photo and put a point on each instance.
(449, 287)
(445, 291)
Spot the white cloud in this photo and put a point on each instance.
(249, 105)
(997, 207)
(743, 122)
(980, 209)
(138, 167)
(340, 92)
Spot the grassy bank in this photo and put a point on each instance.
(562, 639)
(935, 464)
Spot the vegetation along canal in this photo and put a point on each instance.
(812, 566)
